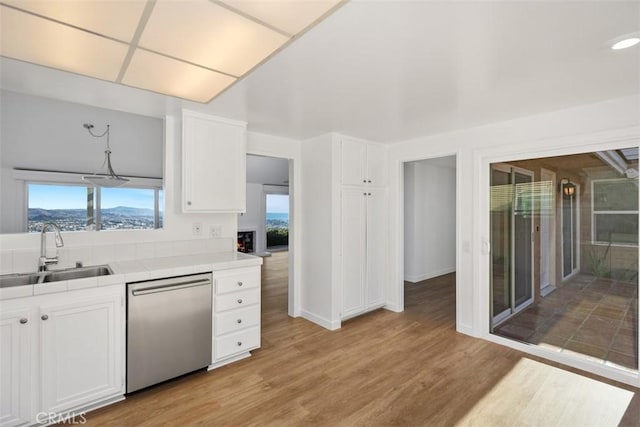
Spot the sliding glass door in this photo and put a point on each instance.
(511, 240)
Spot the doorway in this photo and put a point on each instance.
(512, 207)
(430, 212)
(268, 217)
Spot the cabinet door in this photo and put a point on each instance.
(82, 351)
(214, 163)
(377, 244)
(377, 165)
(353, 253)
(354, 160)
(15, 363)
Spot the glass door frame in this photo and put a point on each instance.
(513, 309)
(575, 213)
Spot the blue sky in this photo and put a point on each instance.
(278, 203)
(72, 197)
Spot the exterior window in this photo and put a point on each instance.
(615, 211)
(82, 208)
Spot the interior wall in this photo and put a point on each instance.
(430, 218)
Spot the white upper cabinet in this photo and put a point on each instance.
(213, 164)
(363, 163)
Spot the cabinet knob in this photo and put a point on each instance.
(369, 181)
(364, 194)
(24, 320)
(368, 194)
(44, 317)
(364, 180)
(239, 300)
(188, 203)
(239, 320)
(240, 283)
(239, 343)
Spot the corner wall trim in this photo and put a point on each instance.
(321, 321)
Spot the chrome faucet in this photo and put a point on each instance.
(44, 261)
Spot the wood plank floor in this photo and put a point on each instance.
(380, 369)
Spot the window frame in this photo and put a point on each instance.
(594, 241)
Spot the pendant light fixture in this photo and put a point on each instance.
(108, 178)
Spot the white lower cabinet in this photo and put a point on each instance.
(15, 365)
(236, 318)
(81, 351)
(61, 352)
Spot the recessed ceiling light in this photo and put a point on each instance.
(628, 42)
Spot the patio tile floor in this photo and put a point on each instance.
(594, 317)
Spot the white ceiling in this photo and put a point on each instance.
(394, 70)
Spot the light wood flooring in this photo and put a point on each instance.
(379, 369)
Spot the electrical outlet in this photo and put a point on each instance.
(215, 231)
(196, 228)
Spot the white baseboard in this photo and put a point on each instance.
(396, 308)
(319, 320)
(429, 275)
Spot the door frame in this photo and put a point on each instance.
(550, 252)
(398, 287)
(280, 151)
(575, 208)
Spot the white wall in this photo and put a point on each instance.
(430, 220)
(588, 128)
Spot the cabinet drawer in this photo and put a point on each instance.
(238, 342)
(235, 320)
(237, 281)
(237, 299)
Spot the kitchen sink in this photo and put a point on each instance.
(77, 273)
(10, 280)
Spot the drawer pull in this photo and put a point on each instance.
(239, 300)
(239, 320)
(240, 283)
(239, 343)
(44, 317)
(24, 320)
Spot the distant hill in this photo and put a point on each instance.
(38, 214)
(127, 211)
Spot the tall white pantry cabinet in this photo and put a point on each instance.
(346, 227)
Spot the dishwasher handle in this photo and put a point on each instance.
(169, 287)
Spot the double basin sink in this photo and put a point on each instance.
(10, 280)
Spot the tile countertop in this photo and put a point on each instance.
(141, 269)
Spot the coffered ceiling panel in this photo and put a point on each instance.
(290, 16)
(169, 76)
(32, 39)
(118, 19)
(210, 35)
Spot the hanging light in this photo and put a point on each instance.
(567, 187)
(108, 178)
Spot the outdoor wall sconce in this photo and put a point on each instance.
(567, 187)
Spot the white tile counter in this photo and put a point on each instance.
(141, 269)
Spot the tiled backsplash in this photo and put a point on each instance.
(26, 260)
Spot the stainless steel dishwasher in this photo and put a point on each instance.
(168, 329)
